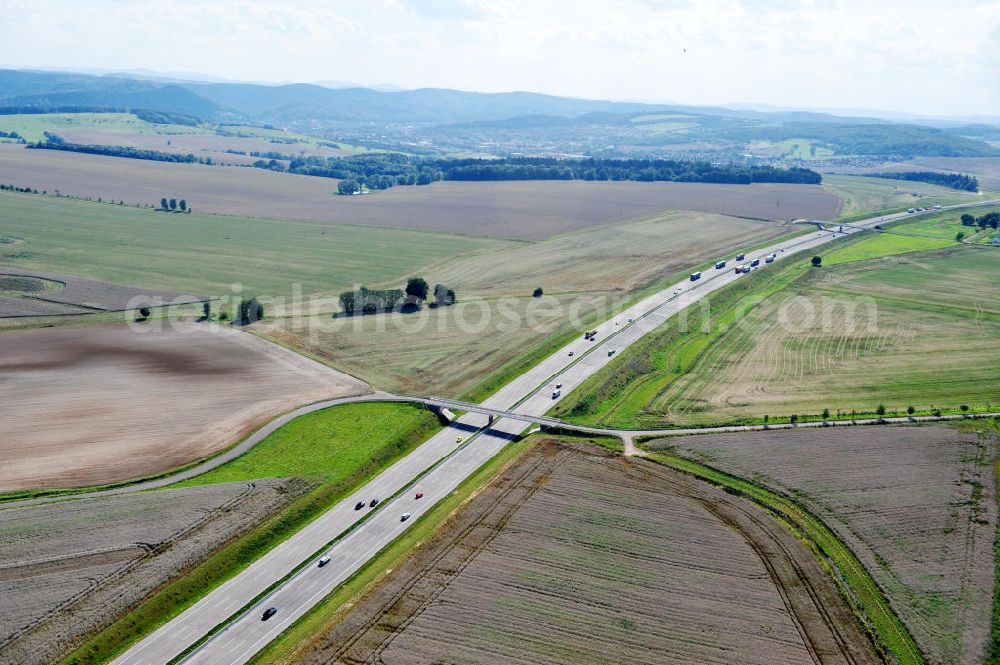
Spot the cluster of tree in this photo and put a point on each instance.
(166, 117)
(443, 296)
(249, 311)
(965, 183)
(119, 151)
(271, 165)
(990, 219)
(370, 301)
(373, 301)
(10, 135)
(381, 171)
(174, 205)
(22, 190)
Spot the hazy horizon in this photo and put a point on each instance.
(910, 58)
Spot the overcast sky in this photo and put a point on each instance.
(919, 56)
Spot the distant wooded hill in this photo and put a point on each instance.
(438, 112)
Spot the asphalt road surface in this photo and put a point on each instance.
(439, 466)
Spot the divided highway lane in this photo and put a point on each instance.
(530, 393)
(246, 635)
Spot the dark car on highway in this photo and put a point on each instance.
(359, 505)
(268, 613)
(373, 503)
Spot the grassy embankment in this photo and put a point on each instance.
(337, 450)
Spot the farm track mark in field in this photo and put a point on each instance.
(497, 525)
(923, 533)
(542, 580)
(786, 569)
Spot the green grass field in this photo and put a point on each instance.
(338, 448)
(328, 445)
(913, 235)
(206, 254)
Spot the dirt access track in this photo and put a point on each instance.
(80, 295)
(101, 404)
(575, 555)
(528, 210)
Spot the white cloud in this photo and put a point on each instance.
(907, 55)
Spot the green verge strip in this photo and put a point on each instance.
(325, 613)
(240, 613)
(176, 596)
(862, 591)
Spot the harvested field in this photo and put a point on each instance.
(442, 351)
(74, 567)
(915, 340)
(915, 504)
(446, 350)
(207, 254)
(576, 556)
(528, 210)
(619, 257)
(102, 404)
(80, 295)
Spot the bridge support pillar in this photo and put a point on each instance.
(490, 420)
(445, 416)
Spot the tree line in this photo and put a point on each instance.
(381, 171)
(965, 183)
(174, 205)
(58, 143)
(990, 219)
(375, 301)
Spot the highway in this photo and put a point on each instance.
(436, 468)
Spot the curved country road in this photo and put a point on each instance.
(627, 436)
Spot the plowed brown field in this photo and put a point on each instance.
(100, 404)
(75, 567)
(576, 556)
(915, 504)
(531, 210)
